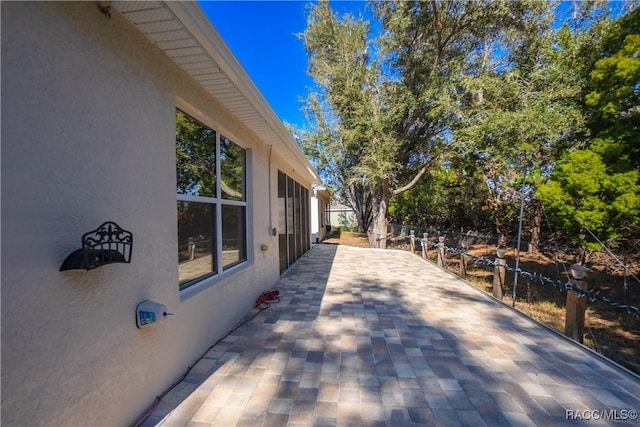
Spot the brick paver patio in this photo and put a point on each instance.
(372, 337)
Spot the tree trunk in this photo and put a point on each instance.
(500, 230)
(359, 209)
(534, 244)
(361, 227)
(380, 201)
(380, 196)
(361, 203)
(365, 215)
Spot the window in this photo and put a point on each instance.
(212, 207)
(293, 220)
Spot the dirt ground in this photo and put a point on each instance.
(347, 238)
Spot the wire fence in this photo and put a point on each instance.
(549, 259)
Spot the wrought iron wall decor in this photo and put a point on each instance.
(107, 244)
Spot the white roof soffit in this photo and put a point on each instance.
(182, 31)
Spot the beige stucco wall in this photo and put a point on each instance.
(88, 136)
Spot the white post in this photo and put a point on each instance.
(425, 245)
(441, 256)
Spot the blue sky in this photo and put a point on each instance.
(261, 34)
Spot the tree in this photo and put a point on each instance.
(343, 109)
(532, 108)
(426, 49)
(614, 97)
(597, 187)
(384, 111)
(582, 194)
(523, 108)
(431, 47)
(493, 80)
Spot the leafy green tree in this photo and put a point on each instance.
(425, 51)
(342, 110)
(597, 188)
(492, 80)
(614, 98)
(384, 110)
(430, 48)
(526, 110)
(583, 195)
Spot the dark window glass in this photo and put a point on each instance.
(290, 221)
(195, 157)
(196, 243)
(282, 222)
(212, 213)
(232, 165)
(293, 220)
(306, 220)
(298, 220)
(234, 247)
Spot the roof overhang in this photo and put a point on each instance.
(184, 33)
(321, 192)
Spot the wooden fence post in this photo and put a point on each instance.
(425, 245)
(412, 241)
(499, 273)
(462, 271)
(466, 244)
(441, 258)
(576, 305)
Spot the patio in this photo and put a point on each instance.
(381, 337)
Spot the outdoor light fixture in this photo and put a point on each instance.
(501, 252)
(578, 271)
(107, 244)
(441, 239)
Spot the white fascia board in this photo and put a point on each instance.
(197, 23)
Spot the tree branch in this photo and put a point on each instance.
(413, 182)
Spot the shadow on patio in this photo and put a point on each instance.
(373, 337)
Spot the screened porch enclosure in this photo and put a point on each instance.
(293, 220)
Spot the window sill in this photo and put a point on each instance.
(210, 281)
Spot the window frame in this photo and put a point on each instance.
(220, 271)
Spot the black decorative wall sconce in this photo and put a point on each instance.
(107, 244)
